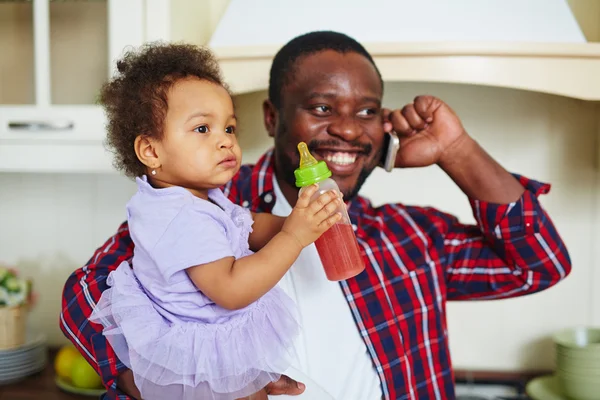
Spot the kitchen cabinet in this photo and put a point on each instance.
(57, 54)
(55, 57)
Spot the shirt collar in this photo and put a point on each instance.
(263, 196)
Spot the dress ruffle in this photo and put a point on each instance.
(242, 218)
(195, 360)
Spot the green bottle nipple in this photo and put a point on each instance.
(310, 170)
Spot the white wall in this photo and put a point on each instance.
(51, 224)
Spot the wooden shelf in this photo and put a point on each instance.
(569, 70)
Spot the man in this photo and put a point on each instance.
(382, 334)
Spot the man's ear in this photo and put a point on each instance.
(270, 117)
(145, 149)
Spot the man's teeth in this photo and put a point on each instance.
(340, 158)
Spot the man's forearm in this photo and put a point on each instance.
(126, 384)
(478, 175)
(265, 227)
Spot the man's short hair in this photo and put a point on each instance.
(283, 69)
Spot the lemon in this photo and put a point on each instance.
(83, 375)
(64, 361)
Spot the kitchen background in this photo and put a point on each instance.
(52, 216)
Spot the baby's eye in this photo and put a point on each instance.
(230, 129)
(201, 129)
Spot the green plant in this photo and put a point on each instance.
(14, 291)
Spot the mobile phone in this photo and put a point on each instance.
(391, 146)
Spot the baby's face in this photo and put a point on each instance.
(199, 149)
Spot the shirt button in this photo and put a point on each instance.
(245, 204)
(354, 227)
(528, 224)
(268, 198)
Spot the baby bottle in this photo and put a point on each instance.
(337, 247)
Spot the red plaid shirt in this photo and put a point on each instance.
(417, 259)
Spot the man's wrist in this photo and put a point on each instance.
(126, 384)
(477, 174)
(459, 154)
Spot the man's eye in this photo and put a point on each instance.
(367, 112)
(322, 109)
(230, 129)
(201, 129)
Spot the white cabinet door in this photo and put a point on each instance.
(55, 123)
(56, 56)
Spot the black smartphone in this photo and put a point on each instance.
(391, 145)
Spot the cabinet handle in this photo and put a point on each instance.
(41, 125)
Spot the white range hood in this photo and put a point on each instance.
(528, 44)
(274, 22)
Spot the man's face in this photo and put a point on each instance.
(332, 101)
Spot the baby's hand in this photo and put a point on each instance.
(309, 219)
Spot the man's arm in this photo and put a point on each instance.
(515, 249)
(81, 293)
(526, 253)
(265, 227)
(478, 175)
(126, 384)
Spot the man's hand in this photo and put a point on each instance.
(428, 130)
(431, 133)
(285, 385)
(126, 384)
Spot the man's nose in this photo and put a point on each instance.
(345, 127)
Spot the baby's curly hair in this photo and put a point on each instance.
(135, 99)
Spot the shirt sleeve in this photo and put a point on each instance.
(514, 250)
(194, 237)
(80, 294)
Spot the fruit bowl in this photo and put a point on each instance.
(74, 374)
(65, 385)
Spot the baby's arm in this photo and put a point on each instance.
(235, 284)
(265, 227)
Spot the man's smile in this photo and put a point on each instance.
(340, 158)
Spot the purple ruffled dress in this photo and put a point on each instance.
(178, 343)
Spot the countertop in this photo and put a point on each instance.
(41, 386)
